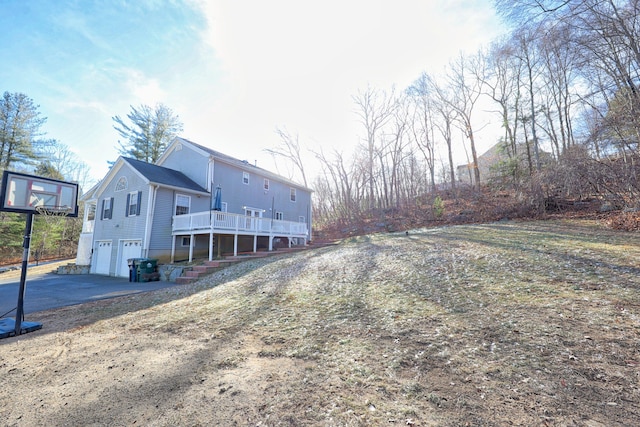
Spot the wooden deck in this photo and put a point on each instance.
(224, 223)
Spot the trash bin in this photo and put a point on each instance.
(132, 269)
(147, 269)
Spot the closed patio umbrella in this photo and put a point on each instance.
(217, 199)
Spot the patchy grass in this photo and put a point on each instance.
(502, 324)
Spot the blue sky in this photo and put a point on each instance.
(232, 70)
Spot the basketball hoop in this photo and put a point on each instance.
(53, 211)
(30, 194)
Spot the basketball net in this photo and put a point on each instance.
(53, 211)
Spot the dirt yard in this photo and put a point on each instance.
(529, 324)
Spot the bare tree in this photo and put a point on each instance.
(445, 115)
(465, 91)
(58, 157)
(289, 149)
(374, 109)
(502, 83)
(421, 123)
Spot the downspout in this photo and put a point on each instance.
(151, 203)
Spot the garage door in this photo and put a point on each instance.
(128, 249)
(102, 257)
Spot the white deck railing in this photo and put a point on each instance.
(230, 223)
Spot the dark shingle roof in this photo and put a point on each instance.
(164, 176)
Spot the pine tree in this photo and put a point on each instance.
(20, 124)
(149, 132)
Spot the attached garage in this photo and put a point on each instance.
(128, 249)
(101, 257)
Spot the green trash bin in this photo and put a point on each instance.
(147, 269)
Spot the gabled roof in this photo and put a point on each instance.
(242, 164)
(153, 174)
(164, 176)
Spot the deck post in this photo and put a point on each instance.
(191, 239)
(173, 249)
(255, 243)
(211, 245)
(235, 244)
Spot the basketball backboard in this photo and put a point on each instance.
(25, 193)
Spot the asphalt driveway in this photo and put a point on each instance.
(46, 290)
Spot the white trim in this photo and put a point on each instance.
(125, 184)
(148, 224)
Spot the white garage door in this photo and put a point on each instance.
(102, 257)
(128, 249)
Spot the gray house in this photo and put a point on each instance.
(194, 202)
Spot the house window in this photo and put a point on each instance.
(292, 194)
(122, 184)
(245, 178)
(107, 208)
(133, 203)
(183, 203)
(301, 219)
(266, 184)
(279, 216)
(186, 241)
(91, 212)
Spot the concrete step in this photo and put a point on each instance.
(209, 267)
(206, 269)
(246, 257)
(185, 280)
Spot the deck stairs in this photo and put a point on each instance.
(196, 272)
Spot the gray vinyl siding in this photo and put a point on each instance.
(120, 226)
(160, 241)
(237, 194)
(161, 233)
(189, 162)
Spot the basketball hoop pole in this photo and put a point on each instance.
(26, 243)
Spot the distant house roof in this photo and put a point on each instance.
(164, 176)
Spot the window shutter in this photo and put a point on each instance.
(126, 212)
(102, 210)
(139, 201)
